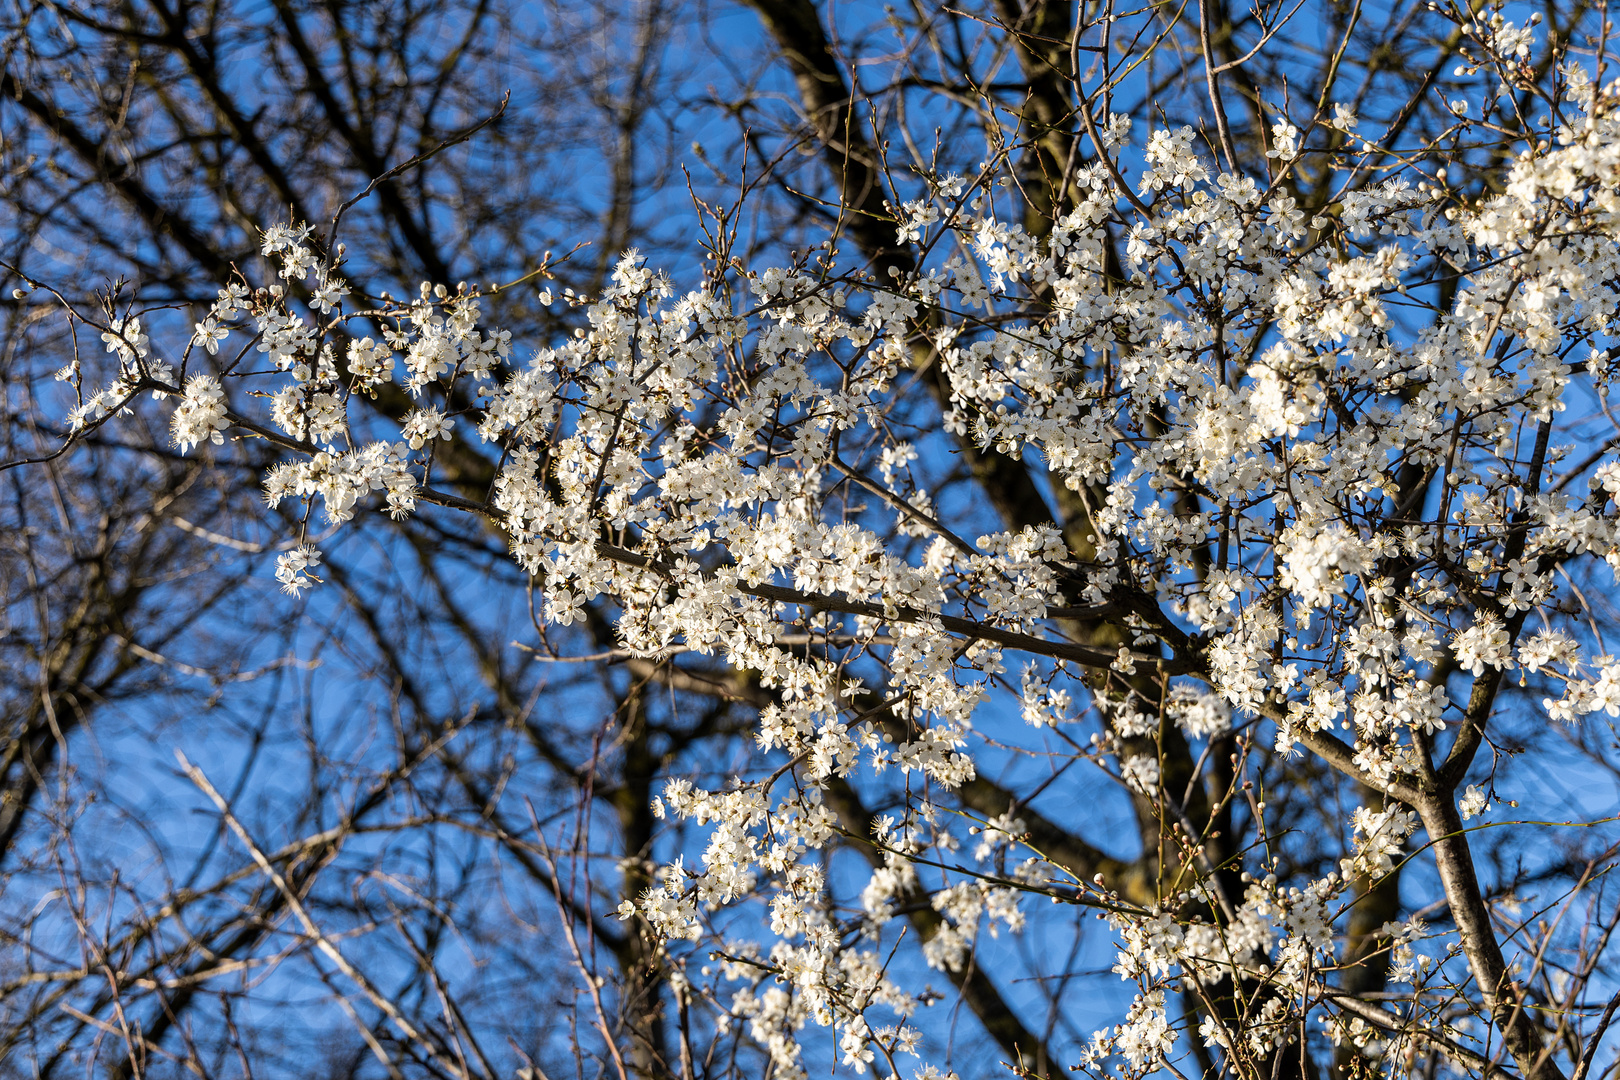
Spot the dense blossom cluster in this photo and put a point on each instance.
(1244, 408)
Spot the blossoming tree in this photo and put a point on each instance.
(1289, 531)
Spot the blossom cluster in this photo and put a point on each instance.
(1244, 410)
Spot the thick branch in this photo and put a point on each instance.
(1502, 998)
